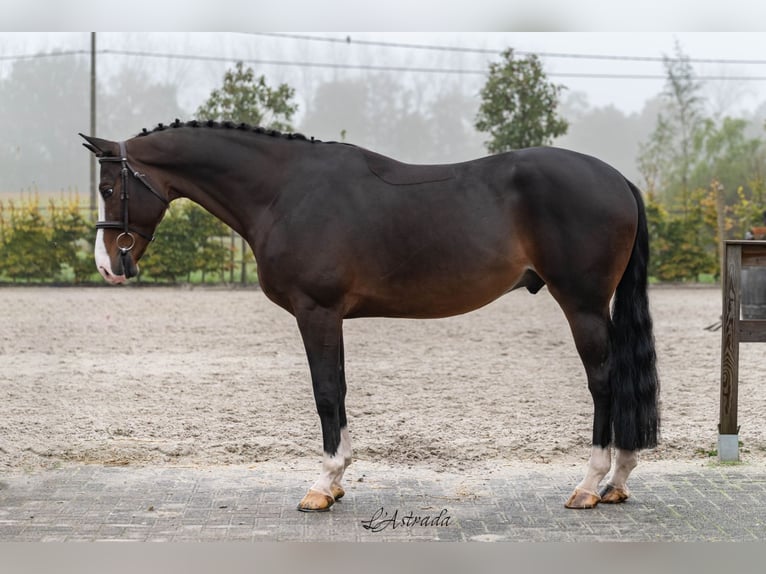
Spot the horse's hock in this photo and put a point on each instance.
(743, 320)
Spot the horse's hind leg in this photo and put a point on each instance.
(616, 489)
(321, 330)
(591, 335)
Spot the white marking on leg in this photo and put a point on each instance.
(625, 461)
(598, 467)
(345, 451)
(332, 471)
(333, 467)
(345, 445)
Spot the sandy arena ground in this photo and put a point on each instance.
(137, 376)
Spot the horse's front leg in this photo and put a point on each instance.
(345, 438)
(321, 330)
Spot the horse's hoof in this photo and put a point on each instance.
(610, 494)
(315, 502)
(337, 491)
(582, 499)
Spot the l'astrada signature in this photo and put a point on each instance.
(381, 520)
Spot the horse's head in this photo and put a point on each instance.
(130, 208)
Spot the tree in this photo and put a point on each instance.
(132, 100)
(188, 241)
(431, 124)
(518, 105)
(667, 159)
(338, 111)
(606, 132)
(654, 161)
(682, 90)
(727, 154)
(245, 98)
(47, 101)
(452, 132)
(211, 255)
(173, 255)
(44, 105)
(680, 245)
(377, 112)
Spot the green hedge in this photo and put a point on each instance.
(53, 243)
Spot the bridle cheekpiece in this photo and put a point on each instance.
(127, 237)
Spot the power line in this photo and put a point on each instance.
(349, 40)
(656, 59)
(295, 63)
(430, 47)
(45, 55)
(596, 76)
(380, 68)
(364, 67)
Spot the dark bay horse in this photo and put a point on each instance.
(339, 232)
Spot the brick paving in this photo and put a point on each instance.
(679, 502)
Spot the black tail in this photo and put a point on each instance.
(633, 375)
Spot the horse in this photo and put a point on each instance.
(341, 232)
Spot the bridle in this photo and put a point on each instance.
(124, 224)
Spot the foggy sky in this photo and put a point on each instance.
(284, 59)
(627, 94)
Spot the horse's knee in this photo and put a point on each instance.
(326, 409)
(327, 404)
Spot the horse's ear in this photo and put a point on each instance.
(98, 146)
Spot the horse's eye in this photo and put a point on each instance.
(107, 193)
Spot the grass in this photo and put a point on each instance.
(713, 453)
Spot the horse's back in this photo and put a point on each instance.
(395, 172)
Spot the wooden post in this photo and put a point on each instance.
(734, 330)
(728, 447)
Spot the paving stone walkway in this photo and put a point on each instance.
(679, 502)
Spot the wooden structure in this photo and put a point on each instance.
(735, 330)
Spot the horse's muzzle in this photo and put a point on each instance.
(110, 277)
(129, 267)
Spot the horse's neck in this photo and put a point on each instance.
(235, 187)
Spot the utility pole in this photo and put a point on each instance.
(93, 123)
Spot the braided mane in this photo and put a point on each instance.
(226, 125)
